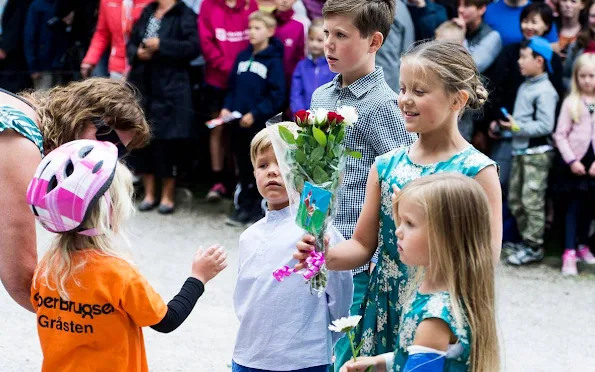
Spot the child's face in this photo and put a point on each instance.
(412, 234)
(259, 33)
(269, 180)
(586, 79)
(529, 64)
(345, 50)
(592, 18)
(423, 101)
(284, 5)
(571, 8)
(533, 25)
(316, 41)
(471, 14)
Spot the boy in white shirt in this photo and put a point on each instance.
(283, 326)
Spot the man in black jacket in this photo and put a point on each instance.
(14, 74)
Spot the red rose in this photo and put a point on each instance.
(334, 118)
(301, 118)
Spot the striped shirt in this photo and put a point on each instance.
(379, 129)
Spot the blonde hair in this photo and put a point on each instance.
(65, 111)
(450, 26)
(262, 140)
(453, 65)
(316, 23)
(457, 217)
(575, 101)
(267, 18)
(57, 266)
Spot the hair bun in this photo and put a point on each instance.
(479, 99)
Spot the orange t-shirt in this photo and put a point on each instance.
(99, 327)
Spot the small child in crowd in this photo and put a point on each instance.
(283, 326)
(91, 301)
(311, 72)
(450, 31)
(575, 138)
(256, 84)
(449, 321)
(223, 32)
(531, 123)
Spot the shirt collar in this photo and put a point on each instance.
(362, 85)
(278, 215)
(537, 78)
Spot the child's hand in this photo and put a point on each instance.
(144, 54)
(506, 124)
(304, 247)
(377, 363)
(591, 170)
(208, 264)
(578, 168)
(247, 120)
(224, 112)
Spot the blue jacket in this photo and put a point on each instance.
(44, 48)
(257, 83)
(309, 74)
(427, 19)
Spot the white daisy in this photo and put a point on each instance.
(345, 324)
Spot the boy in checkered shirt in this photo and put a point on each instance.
(355, 30)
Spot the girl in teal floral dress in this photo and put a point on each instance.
(448, 322)
(438, 81)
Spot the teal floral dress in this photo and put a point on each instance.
(382, 304)
(11, 118)
(438, 306)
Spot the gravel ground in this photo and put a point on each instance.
(545, 321)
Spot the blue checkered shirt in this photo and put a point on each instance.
(379, 129)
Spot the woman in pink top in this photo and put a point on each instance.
(575, 138)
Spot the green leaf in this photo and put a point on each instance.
(338, 150)
(301, 139)
(298, 181)
(369, 369)
(319, 175)
(341, 135)
(311, 141)
(319, 136)
(354, 154)
(317, 154)
(286, 135)
(300, 156)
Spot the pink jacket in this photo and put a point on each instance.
(223, 33)
(109, 31)
(573, 139)
(291, 33)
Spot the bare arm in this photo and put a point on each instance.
(18, 246)
(358, 250)
(488, 179)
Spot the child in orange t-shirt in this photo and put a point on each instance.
(91, 302)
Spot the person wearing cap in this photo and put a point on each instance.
(532, 123)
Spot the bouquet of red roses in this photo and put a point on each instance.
(312, 160)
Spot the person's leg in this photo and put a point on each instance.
(244, 197)
(143, 164)
(515, 203)
(570, 234)
(149, 185)
(214, 102)
(342, 350)
(537, 168)
(585, 217)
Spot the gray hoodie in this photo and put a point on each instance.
(535, 114)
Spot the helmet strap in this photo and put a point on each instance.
(94, 232)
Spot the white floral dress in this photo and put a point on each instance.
(382, 304)
(438, 306)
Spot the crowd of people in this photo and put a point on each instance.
(415, 208)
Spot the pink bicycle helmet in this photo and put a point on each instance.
(69, 182)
